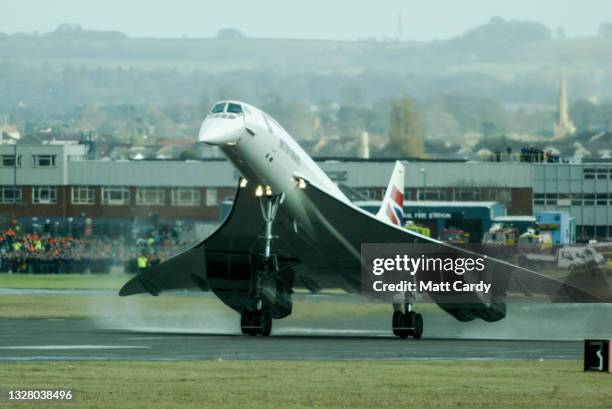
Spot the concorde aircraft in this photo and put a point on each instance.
(290, 226)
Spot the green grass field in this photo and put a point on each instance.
(80, 282)
(270, 384)
(64, 281)
(170, 305)
(96, 305)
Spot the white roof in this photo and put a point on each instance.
(430, 203)
(515, 219)
(367, 203)
(442, 203)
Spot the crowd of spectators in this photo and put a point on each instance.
(45, 254)
(158, 245)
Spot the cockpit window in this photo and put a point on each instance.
(234, 108)
(220, 107)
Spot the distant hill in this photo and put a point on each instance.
(516, 64)
(500, 48)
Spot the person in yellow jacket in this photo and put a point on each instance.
(143, 262)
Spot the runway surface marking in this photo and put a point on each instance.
(334, 332)
(69, 347)
(18, 339)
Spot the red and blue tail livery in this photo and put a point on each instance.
(392, 208)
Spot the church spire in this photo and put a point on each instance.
(564, 126)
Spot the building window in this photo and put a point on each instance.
(589, 199)
(112, 195)
(185, 197)
(539, 199)
(468, 194)
(8, 161)
(150, 196)
(367, 193)
(552, 199)
(338, 176)
(602, 199)
(432, 194)
(496, 194)
(44, 161)
(10, 194)
(44, 195)
(589, 173)
(83, 195)
(212, 197)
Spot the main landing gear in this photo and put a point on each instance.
(258, 320)
(253, 322)
(407, 323)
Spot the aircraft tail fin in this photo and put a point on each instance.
(392, 208)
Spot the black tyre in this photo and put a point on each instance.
(417, 332)
(249, 320)
(266, 323)
(245, 321)
(396, 322)
(407, 320)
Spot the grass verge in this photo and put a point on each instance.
(71, 306)
(289, 384)
(64, 281)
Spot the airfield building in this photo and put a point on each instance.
(57, 182)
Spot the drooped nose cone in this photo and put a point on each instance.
(220, 131)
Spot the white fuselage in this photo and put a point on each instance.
(264, 153)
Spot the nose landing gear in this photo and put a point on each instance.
(259, 320)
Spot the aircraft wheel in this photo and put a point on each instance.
(408, 324)
(244, 321)
(248, 320)
(417, 332)
(397, 322)
(401, 323)
(256, 322)
(266, 323)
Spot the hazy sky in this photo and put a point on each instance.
(327, 19)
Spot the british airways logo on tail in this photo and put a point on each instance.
(397, 196)
(395, 209)
(392, 208)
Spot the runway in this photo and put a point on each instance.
(40, 340)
